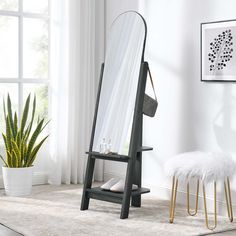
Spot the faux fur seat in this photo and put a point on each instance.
(206, 166)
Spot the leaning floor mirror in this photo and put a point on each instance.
(117, 126)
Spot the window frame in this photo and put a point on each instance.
(20, 80)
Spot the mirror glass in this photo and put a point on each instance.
(124, 53)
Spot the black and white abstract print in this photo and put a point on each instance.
(220, 49)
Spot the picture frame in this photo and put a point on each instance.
(218, 51)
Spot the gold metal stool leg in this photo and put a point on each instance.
(188, 204)
(228, 199)
(173, 199)
(205, 207)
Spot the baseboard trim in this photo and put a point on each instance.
(165, 193)
(38, 178)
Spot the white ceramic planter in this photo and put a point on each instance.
(17, 181)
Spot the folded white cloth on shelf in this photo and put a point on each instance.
(119, 187)
(109, 183)
(116, 185)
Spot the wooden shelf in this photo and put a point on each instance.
(145, 148)
(104, 195)
(110, 157)
(116, 157)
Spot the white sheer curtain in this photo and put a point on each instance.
(77, 44)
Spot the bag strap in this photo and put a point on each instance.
(149, 72)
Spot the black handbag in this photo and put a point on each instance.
(150, 104)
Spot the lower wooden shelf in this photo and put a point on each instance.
(104, 195)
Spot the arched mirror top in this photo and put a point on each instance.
(129, 21)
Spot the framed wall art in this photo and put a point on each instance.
(218, 51)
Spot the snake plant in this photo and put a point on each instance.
(20, 139)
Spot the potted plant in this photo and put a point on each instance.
(21, 148)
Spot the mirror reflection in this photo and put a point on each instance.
(124, 52)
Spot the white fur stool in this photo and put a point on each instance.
(205, 167)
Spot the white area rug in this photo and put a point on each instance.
(55, 211)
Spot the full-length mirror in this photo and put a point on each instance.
(124, 53)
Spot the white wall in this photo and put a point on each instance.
(191, 114)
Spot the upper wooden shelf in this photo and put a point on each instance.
(116, 157)
(111, 157)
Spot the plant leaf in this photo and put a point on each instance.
(15, 124)
(9, 159)
(34, 138)
(22, 151)
(4, 161)
(9, 111)
(4, 109)
(5, 140)
(34, 152)
(45, 125)
(25, 149)
(18, 139)
(32, 117)
(25, 115)
(14, 159)
(8, 134)
(17, 152)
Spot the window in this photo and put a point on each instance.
(24, 53)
